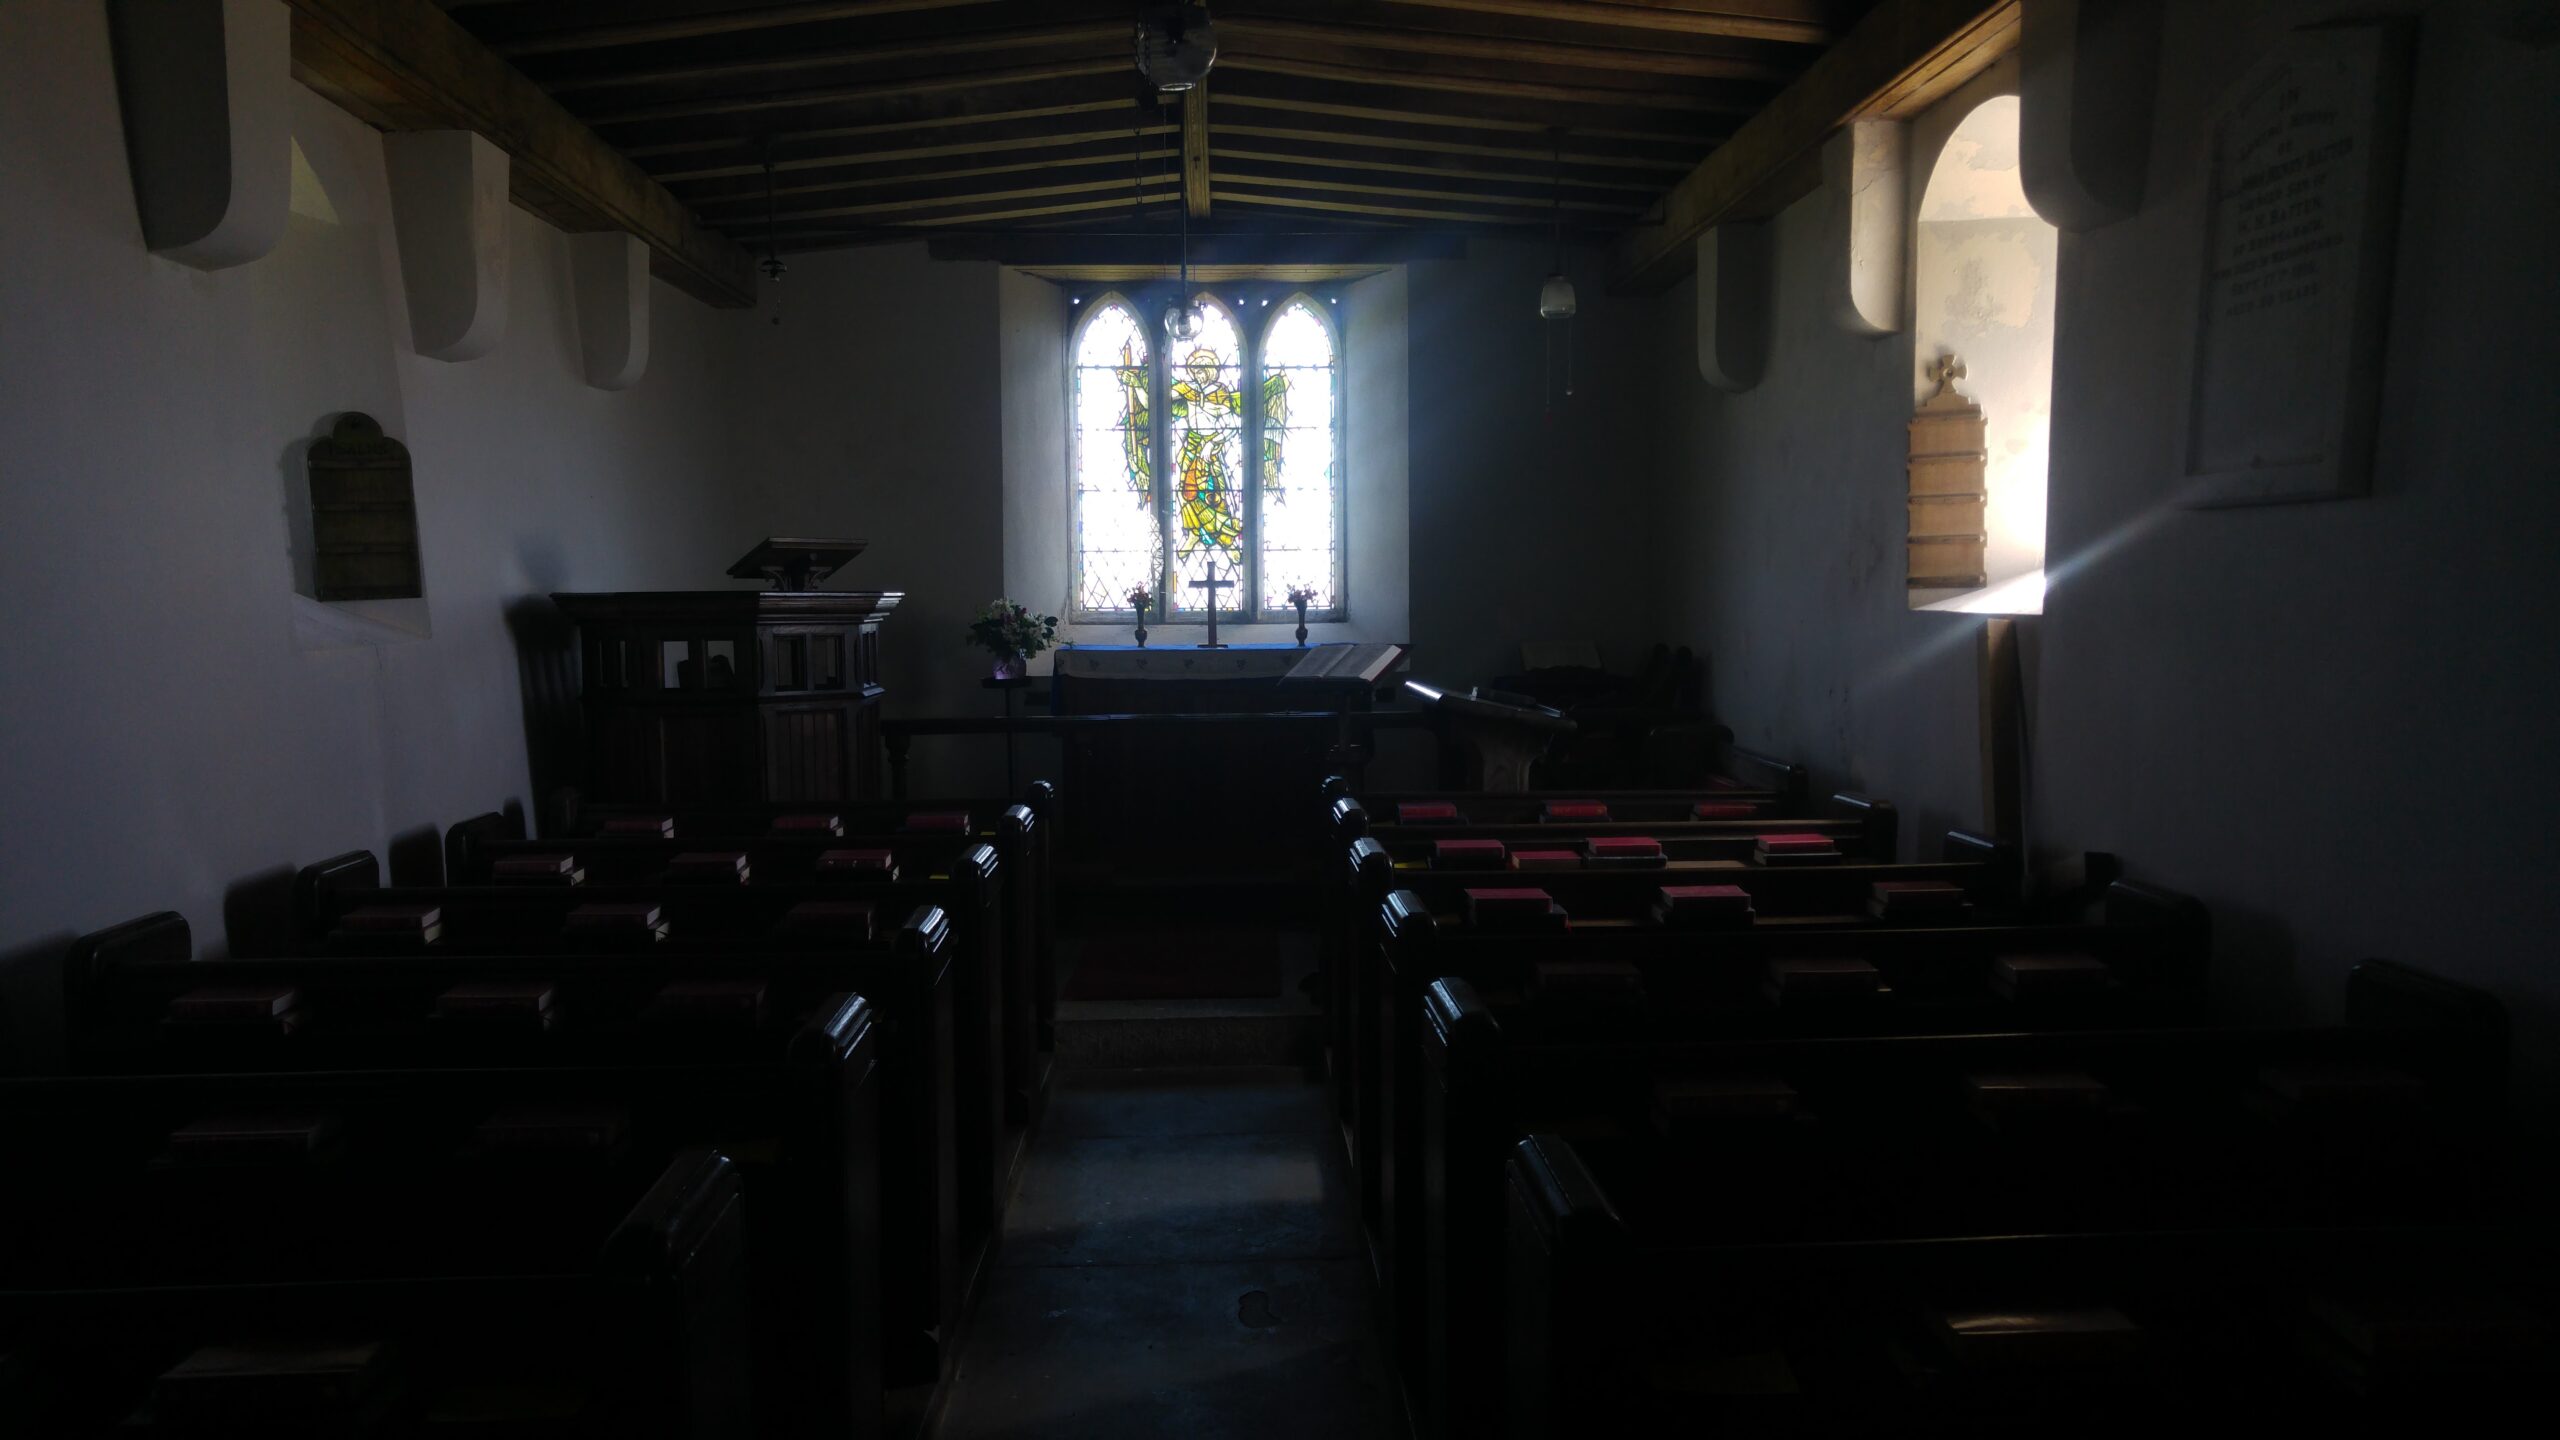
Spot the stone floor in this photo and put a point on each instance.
(1183, 1260)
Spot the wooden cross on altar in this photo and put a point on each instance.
(1213, 585)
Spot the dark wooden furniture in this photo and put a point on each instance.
(1493, 1073)
(380, 1259)
(730, 697)
(831, 1116)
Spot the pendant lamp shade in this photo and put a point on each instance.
(1555, 298)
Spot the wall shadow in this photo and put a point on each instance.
(547, 681)
(416, 857)
(257, 914)
(31, 1005)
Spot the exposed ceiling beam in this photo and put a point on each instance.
(822, 145)
(1616, 59)
(933, 194)
(1472, 114)
(406, 65)
(854, 167)
(1270, 179)
(1902, 52)
(1446, 168)
(599, 36)
(1379, 211)
(972, 83)
(1701, 102)
(1795, 23)
(1080, 38)
(1195, 151)
(1321, 130)
(745, 191)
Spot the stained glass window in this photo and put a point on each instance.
(1247, 417)
(1204, 425)
(1301, 462)
(1119, 545)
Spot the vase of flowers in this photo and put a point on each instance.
(1302, 596)
(1140, 600)
(1013, 635)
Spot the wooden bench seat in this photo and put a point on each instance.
(843, 1126)
(160, 1270)
(2181, 1105)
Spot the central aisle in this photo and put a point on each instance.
(1183, 1261)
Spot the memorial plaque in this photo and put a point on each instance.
(2302, 210)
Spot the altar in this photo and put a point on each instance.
(1229, 680)
(1207, 747)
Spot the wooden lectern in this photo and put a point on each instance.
(734, 696)
(1504, 738)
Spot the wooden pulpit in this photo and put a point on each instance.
(732, 696)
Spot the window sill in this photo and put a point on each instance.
(354, 624)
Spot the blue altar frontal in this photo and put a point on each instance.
(1178, 662)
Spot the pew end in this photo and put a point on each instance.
(319, 891)
(1880, 824)
(466, 855)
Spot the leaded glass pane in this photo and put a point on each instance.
(1119, 544)
(1204, 414)
(1300, 468)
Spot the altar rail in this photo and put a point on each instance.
(1351, 738)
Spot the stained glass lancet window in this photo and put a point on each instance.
(1119, 542)
(1204, 426)
(1300, 473)
(1226, 447)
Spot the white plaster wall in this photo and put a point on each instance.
(874, 410)
(1529, 524)
(2331, 722)
(167, 740)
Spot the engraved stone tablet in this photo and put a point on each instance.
(2302, 209)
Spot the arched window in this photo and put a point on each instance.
(1983, 265)
(1248, 415)
(1301, 459)
(1111, 459)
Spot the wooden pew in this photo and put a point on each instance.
(476, 849)
(1862, 826)
(1028, 849)
(748, 917)
(1492, 1074)
(1368, 861)
(1710, 984)
(2170, 1253)
(173, 1266)
(1828, 897)
(843, 1127)
(1748, 775)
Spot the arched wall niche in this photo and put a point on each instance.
(1983, 288)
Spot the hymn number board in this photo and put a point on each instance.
(2302, 210)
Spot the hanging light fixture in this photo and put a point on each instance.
(1182, 317)
(772, 264)
(1555, 297)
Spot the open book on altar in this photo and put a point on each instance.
(1345, 660)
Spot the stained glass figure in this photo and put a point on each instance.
(1205, 423)
(1119, 542)
(1301, 466)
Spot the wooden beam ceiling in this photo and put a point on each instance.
(1903, 55)
(406, 65)
(1195, 151)
(1793, 22)
(879, 117)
